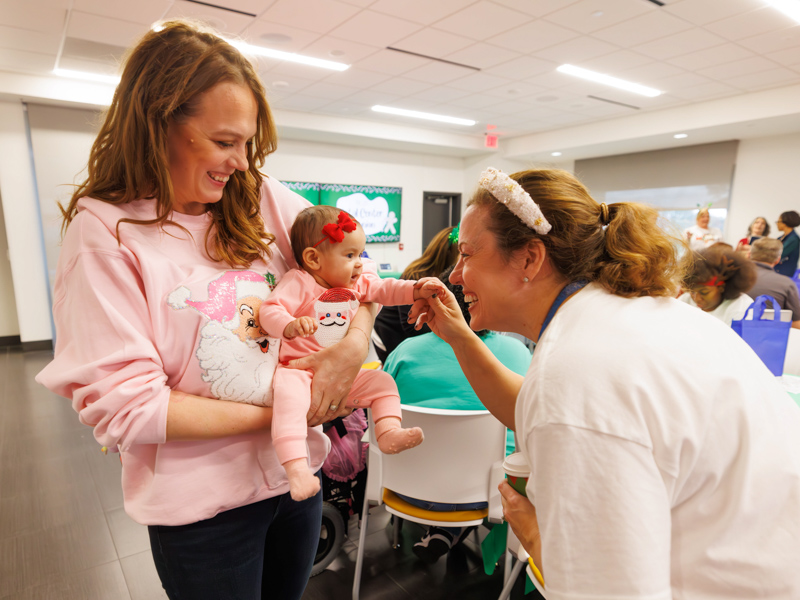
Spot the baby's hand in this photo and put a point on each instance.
(304, 327)
(427, 287)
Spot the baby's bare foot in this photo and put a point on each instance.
(396, 440)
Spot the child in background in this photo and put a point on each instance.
(311, 309)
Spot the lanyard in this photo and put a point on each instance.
(570, 288)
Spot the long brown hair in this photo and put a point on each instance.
(163, 78)
(439, 255)
(631, 256)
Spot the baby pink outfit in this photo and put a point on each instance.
(298, 295)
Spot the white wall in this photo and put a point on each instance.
(765, 184)
(9, 324)
(415, 173)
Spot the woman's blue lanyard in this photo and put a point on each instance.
(569, 289)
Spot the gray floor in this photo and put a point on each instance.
(64, 534)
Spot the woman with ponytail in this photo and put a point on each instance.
(663, 453)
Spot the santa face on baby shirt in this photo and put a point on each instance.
(333, 310)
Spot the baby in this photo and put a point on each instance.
(311, 309)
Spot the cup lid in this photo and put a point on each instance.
(516, 465)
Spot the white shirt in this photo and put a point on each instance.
(702, 237)
(728, 310)
(665, 457)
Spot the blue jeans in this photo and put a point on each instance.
(262, 550)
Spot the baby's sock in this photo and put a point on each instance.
(302, 482)
(393, 439)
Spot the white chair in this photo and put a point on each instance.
(791, 365)
(460, 461)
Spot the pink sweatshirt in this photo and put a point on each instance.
(299, 295)
(153, 314)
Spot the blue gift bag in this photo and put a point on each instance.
(768, 337)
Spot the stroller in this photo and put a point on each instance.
(344, 483)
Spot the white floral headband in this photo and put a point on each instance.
(518, 201)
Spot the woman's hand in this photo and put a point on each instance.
(441, 312)
(335, 369)
(521, 517)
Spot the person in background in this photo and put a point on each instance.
(757, 229)
(170, 247)
(716, 280)
(428, 374)
(765, 254)
(791, 243)
(700, 235)
(663, 453)
(391, 324)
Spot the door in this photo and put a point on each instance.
(439, 210)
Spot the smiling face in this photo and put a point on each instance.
(707, 297)
(340, 263)
(489, 282)
(703, 218)
(207, 147)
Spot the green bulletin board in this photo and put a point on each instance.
(309, 191)
(376, 208)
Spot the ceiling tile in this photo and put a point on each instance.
(737, 68)
(551, 79)
(26, 62)
(314, 15)
(94, 51)
(254, 7)
(391, 62)
(514, 90)
(576, 50)
(223, 21)
(749, 24)
(331, 48)
(483, 20)
(707, 91)
(300, 103)
(681, 81)
(283, 84)
(30, 41)
(419, 11)
(76, 63)
(375, 29)
(764, 79)
(475, 101)
(710, 57)
(536, 8)
(685, 42)
(787, 58)
(616, 62)
(522, 68)
(432, 42)
(347, 108)
(481, 55)
(105, 30)
(648, 74)
(330, 91)
(773, 41)
(278, 37)
(701, 12)
(145, 12)
(401, 86)
(436, 72)
(440, 94)
(358, 78)
(642, 29)
(587, 16)
(47, 16)
(371, 97)
(533, 36)
(478, 82)
(280, 69)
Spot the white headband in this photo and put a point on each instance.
(518, 201)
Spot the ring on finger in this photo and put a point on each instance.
(333, 407)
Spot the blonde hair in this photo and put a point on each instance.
(307, 228)
(440, 254)
(632, 256)
(162, 81)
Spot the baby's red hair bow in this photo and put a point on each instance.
(334, 232)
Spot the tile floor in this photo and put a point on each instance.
(65, 536)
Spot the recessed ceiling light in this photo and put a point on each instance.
(422, 115)
(336, 52)
(791, 8)
(629, 86)
(275, 38)
(555, 154)
(680, 136)
(597, 13)
(547, 98)
(86, 76)
(280, 84)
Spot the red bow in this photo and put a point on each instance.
(334, 232)
(715, 281)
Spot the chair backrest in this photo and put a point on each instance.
(455, 462)
(791, 365)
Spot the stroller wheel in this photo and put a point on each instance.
(331, 538)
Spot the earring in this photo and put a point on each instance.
(525, 279)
